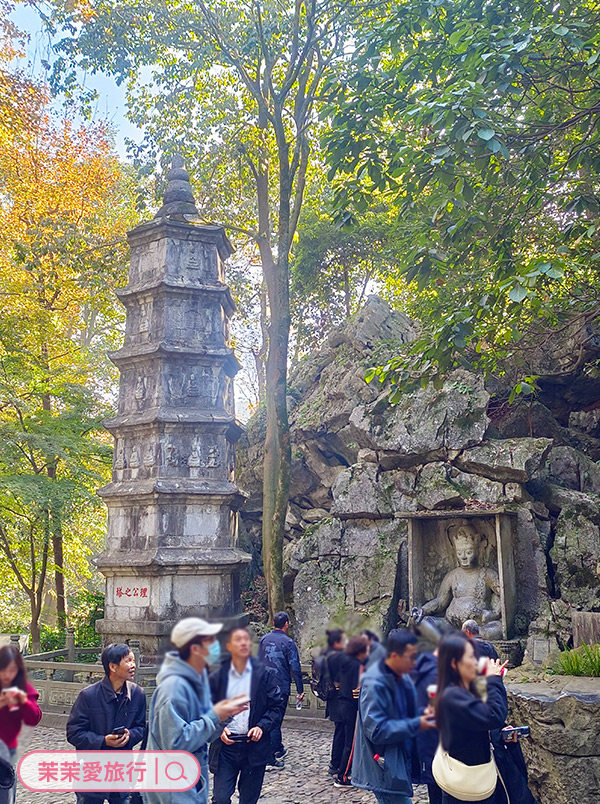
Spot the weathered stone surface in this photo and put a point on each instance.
(516, 492)
(422, 427)
(569, 467)
(586, 421)
(475, 488)
(586, 628)
(531, 570)
(556, 498)
(358, 463)
(441, 485)
(576, 557)
(510, 460)
(374, 323)
(340, 568)
(435, 488)
(402, 484)
(357, 492)
(563, 755)
(314, 515)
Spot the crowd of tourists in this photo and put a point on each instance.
(401, 717)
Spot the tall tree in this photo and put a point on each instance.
(64, 208)
(480, 122)
(242, 81)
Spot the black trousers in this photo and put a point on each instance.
(349, 714)
(275, 737)
(435, 794)
(337, 746)
(232, 769)
(100, 798)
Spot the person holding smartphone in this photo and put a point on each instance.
(241, 755)
(464, 719)
(109, 715)
(18, 706)
(182, 715)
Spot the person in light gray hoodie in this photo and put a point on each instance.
(182, 715)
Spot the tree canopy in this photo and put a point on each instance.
(65, 205)
(478, 120)
(234, 88)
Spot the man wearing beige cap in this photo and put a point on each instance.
(182, 715)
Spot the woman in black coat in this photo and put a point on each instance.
(464, 720)
(350, 667)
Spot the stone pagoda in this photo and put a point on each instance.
(172, 503)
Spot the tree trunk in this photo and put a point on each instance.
(347, 290)
(277, 452)
(260, 357)
(59, 573)
(36, 643)
(55, 521)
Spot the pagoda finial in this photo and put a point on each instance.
(178, 200)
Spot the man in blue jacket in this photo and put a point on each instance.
(388, 722)
(113, 703)
(279, 651)
(182, 715)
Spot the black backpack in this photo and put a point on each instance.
(320, 679)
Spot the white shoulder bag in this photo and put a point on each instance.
(464, 782)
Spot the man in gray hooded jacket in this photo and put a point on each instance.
(182, 715)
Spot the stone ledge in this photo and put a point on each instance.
(563, 754)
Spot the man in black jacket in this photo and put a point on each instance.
(242, 753)
(113, 703)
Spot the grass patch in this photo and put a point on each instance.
(582, 661)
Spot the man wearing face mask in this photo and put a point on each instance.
(182, 715)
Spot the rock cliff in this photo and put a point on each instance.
(365, 471)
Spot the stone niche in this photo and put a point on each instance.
(431, 555)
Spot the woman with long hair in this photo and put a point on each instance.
(18, 702)
(463, 719)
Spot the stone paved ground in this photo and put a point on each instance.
(303, 781)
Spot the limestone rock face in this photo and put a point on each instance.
(576, 556)
(372, 325)
(344, 569)
(364, 472)
(509, 460)
(563, 755)
(557, 497)
(426, 425)
(570, 467)
(357, 492)
(477, 488)
(435, 488)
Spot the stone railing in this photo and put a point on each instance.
(60, 675)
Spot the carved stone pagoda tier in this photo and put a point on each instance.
(172, 522)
